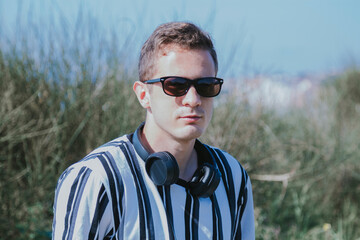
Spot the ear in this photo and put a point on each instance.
(142, 93)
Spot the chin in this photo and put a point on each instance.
(190, 132)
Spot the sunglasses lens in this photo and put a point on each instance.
(208, 87)
(175, 86)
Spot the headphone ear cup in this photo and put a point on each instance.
(162, 168)
(205, 181)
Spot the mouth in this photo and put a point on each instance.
(191, 118)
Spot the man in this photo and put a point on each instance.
(161, 182)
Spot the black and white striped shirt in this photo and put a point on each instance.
(108, 195)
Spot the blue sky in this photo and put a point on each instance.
(262, 36)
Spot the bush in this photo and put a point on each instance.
(303, 163)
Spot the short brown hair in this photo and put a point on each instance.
(182, 34)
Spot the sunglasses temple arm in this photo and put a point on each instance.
(153, 80)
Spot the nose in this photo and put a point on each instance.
(192, 98)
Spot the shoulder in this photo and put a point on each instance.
(227, 161)
(233, 173)
(103, 162)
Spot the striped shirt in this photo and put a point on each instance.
(109, 195)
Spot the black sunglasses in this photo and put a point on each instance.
(179, 86)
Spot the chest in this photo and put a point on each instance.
(171, 212)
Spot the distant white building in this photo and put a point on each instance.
(277, 92)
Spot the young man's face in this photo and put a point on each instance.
(185, 117)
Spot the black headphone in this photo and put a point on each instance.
(163, 169)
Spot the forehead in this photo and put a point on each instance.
(174, 60)
(165, 49)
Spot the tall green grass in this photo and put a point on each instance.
(62, 97)
(304, 163)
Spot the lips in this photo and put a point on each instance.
(191, 118)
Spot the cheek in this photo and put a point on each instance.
(162, 107)
(208, 107)
(209, 116)
(210, 111)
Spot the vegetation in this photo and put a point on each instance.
(57, 105)
(304, 163)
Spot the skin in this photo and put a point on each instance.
(173, 123)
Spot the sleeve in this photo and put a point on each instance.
(247, 218)
(245, 221)
(81, 209)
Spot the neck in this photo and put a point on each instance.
(182, 150)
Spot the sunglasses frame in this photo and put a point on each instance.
(190, 82)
